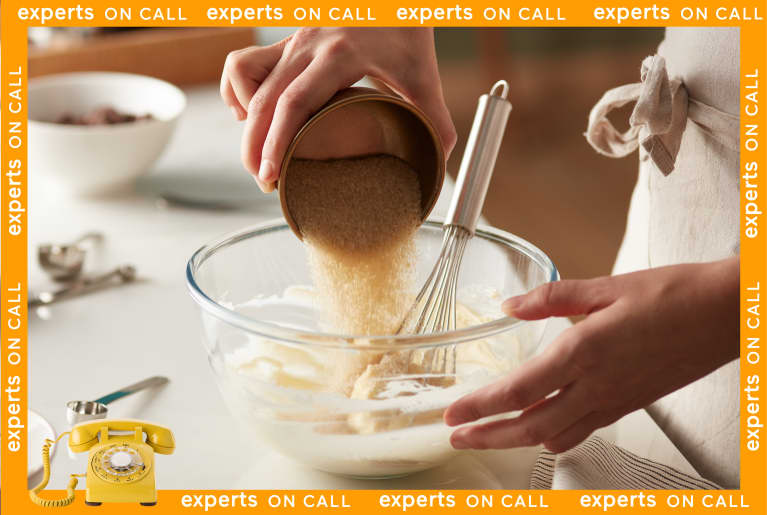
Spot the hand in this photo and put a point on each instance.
(277, 87)
(645, 335)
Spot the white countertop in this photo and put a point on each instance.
(89, 346)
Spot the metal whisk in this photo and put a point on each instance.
(434, 307)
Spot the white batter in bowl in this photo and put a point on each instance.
(357, 406)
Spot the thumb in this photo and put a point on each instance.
(561, 298)
(432, 103)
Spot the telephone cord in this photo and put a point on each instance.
(47, 476)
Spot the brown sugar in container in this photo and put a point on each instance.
(363, 121)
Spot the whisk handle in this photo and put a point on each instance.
(479, 157)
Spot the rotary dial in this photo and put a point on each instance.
(119, 463)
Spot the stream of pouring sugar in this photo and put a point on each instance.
(358, 218)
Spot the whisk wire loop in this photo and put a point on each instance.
(434, 309)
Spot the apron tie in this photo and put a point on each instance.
(658, 120)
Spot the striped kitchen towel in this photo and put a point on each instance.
(597, 464)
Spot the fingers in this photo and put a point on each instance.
(581, 430)
(422, 85)
(244, 71)
(227, 93)
(278, 87)
(525, 386)
(266, 187)
(538, 424)
(305, 95)
(433, 105)
(437, 111)
(562, 298)
(261, 111)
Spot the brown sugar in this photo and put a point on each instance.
(358, 217)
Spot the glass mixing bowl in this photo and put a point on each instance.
(341, 403)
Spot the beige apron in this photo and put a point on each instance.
(685, 208)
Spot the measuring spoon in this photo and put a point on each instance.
(122, 274)
(65, 262)
(80, 411)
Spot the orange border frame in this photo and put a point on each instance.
(14, 247)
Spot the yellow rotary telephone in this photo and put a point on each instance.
(120, 463)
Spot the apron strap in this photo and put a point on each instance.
(658, 120)
(723, 127)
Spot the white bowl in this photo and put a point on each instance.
(98, 159)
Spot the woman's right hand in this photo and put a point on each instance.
(276, 88)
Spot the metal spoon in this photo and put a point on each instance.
(80, 411)
(65, 262)
(124, 273)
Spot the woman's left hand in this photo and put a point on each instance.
(645, 335)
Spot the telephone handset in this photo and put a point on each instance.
(86, 434)
(120, 463)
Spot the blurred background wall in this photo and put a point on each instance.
(549, 186)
